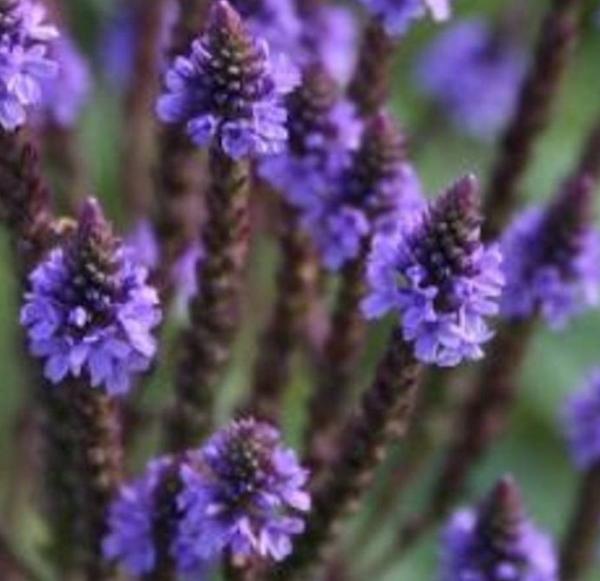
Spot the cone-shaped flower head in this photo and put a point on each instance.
(24, 62)
(376, 190)
(89, 311)
(246, 498)
(496, 542)
(439, 278)
(582, 423)
(397, 16)
(552, 258)
(322, 129)
(65, 95)
(474, 74)
(229, 90)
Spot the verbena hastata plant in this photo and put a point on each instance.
(271, 122)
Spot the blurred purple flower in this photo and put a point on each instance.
(24, 60)
(474, 74)
(582, 423)
(90, 310)
(134, 514)
(64, 96)
(246, 498)
(439, 278)
(496, 542)
(397, 16)
(374, 191)
(552, 259)
(322, 129)
(229, 89)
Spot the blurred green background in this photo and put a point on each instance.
(533, 450)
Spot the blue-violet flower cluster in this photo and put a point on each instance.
(322, 129)
(374, 191)
(474, 74)
(582, 423)
(496, 542)
(247, 498)
(439, 278)
(24, 60)
(64, 96)
(397, 16)
(89, 311)
(552, 259)
(241, 494)
(229, 90)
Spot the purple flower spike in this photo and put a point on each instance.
(496, 542)
(90, 311)
(246, 498)
(439, 278)
(376, 190)
(229, 89)
(24, 62)
(474, 74)
(582, 423)
(552, 264)
(322, 129)
(65, 95)
(397, 16)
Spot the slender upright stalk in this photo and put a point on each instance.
(343, 349)
(556, 41)
(370, 86)
(205, 346)
(139, 121)
(97, 455)
(384, 413)
(295, 279)
(578, 548)
(13, 568)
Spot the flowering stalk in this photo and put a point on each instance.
(555, 253)
(437, 254)
(578, 548)
(214, 312)
(556, 41)
(228, 96)
(140, 125)
(373, 184)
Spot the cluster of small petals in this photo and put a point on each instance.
(96, 325)
(531, 556)
(330, 34)
(246, 498)
(397, 16)
(474, 75)
(130, 522)
(305, 177)
(338, 225)
(442, 308)
(24, 60)
(64, 96)
(582, 423)
(556, 291)
(228, 95)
